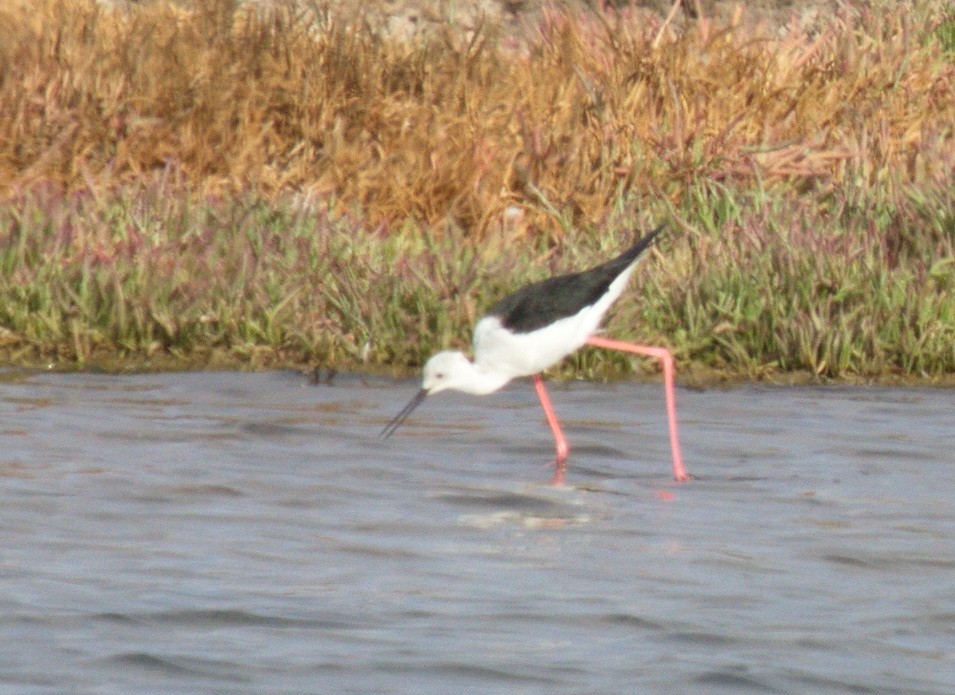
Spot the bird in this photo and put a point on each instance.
(534, 328)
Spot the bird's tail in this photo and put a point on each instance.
(631, 254)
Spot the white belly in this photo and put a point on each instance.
(498, 350)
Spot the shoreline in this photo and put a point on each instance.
(692, 379)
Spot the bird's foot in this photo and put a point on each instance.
(560, 471)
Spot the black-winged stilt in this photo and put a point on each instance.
(536, 327)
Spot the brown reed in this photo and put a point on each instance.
(478, 130)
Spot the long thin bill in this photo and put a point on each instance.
(403, 415)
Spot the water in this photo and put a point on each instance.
(248, 533)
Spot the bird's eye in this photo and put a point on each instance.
(439, 375)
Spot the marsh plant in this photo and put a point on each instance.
(219, 183)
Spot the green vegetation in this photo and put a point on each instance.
(230, 187)
(747, 285)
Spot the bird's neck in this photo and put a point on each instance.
(479, 380)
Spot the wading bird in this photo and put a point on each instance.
(536, 327)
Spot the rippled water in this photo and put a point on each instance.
(248, 533)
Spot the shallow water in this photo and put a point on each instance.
(249, 533)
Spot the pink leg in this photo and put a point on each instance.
(679, 472)
(560, 463)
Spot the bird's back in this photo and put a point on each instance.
(545, 302)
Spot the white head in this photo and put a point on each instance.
(447, 370)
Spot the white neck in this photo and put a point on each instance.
(473, 379)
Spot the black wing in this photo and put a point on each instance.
(542, 303)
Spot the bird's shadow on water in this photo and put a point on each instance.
(596, 467)
(590, 463)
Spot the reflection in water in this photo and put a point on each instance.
(249, 533)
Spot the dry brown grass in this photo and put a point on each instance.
(455, 127)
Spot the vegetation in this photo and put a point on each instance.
(229, 186)
(752, 286)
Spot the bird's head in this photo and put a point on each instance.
(445, 370)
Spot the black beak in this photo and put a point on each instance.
(403, 415)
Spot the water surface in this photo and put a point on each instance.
(249, 533)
